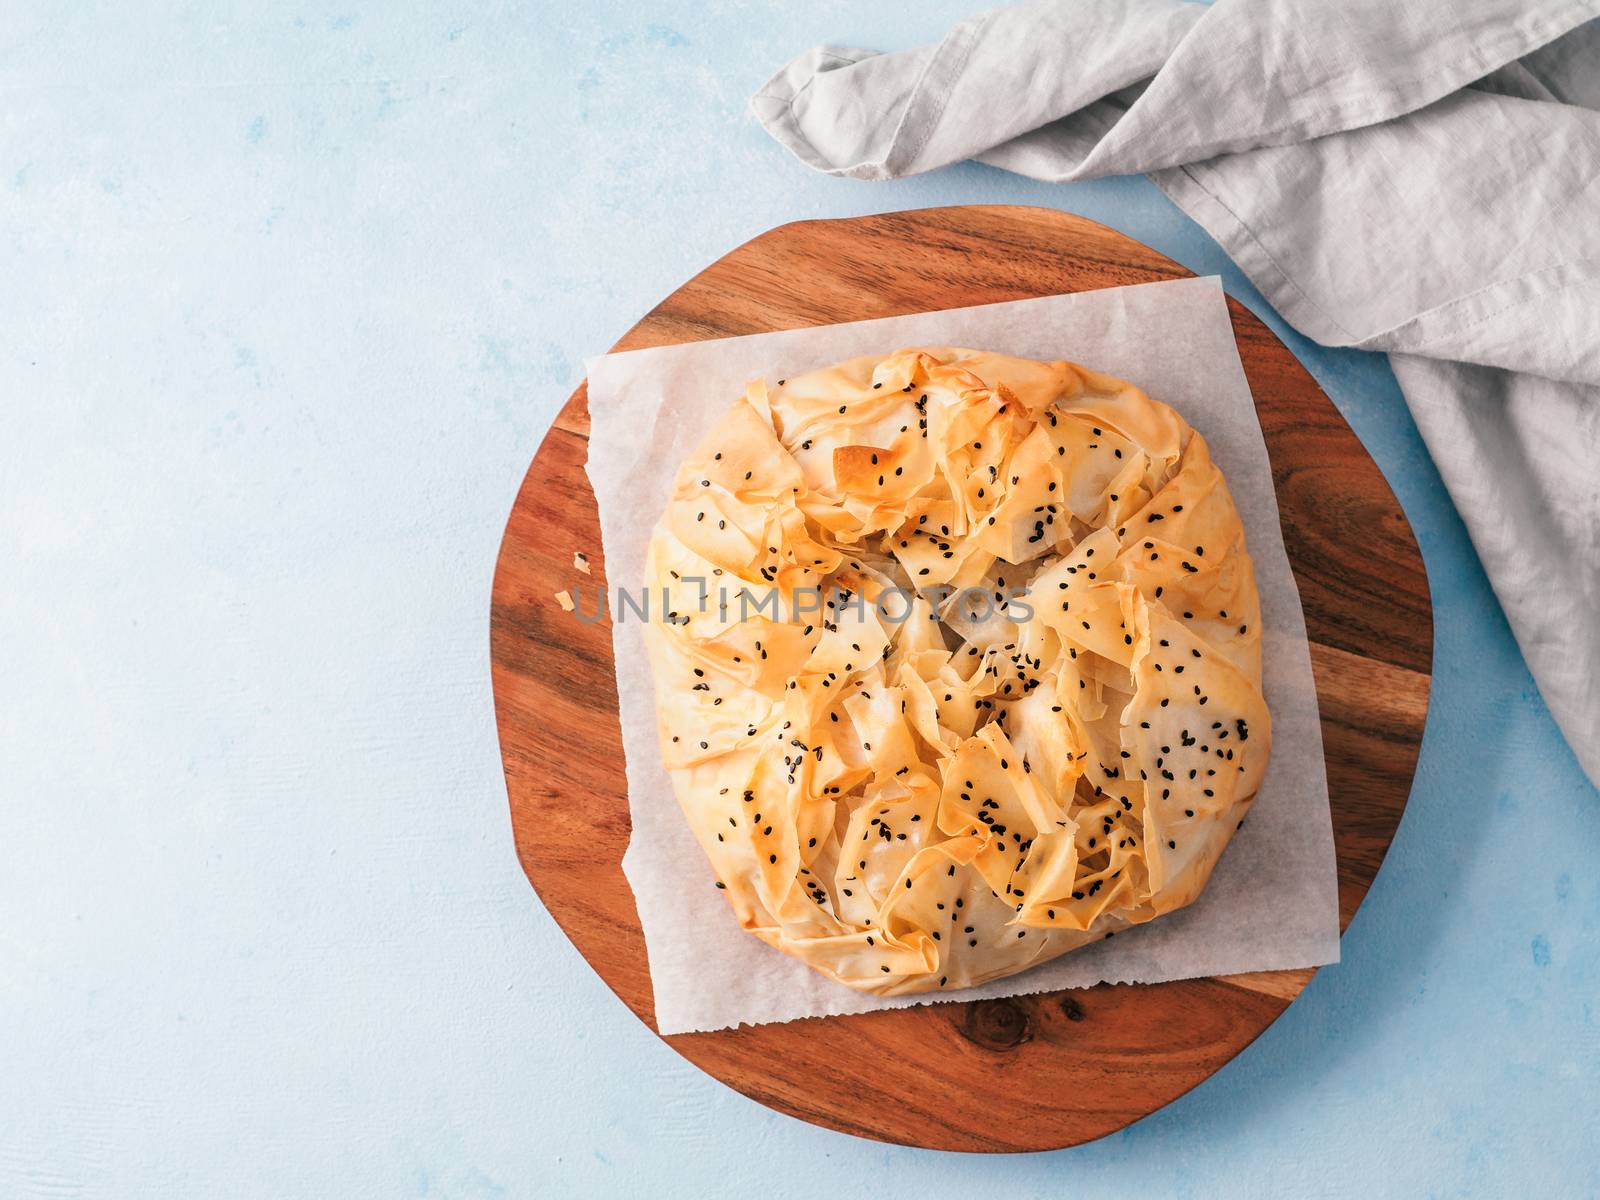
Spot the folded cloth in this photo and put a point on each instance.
(1421, 179)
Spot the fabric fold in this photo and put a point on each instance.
(1421, 180)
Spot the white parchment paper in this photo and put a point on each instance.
(1272, 901)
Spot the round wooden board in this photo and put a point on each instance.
(1030, 1072)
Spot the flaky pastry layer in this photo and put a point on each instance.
(960, 666)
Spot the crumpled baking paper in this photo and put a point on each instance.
(1272, 902)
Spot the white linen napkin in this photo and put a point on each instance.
(1420, 178)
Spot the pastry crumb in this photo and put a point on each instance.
(564, 599)
(581, 561)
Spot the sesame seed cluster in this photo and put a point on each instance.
(959, 667)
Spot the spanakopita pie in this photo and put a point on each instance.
(961, 665)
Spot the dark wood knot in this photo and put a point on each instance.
(995, 1024)
(1071, 1009)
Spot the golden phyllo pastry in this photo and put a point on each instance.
(959, 665)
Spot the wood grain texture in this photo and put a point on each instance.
(1030, 1072)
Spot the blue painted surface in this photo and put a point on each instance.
(288, 295)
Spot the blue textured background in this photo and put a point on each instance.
(288, 294)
